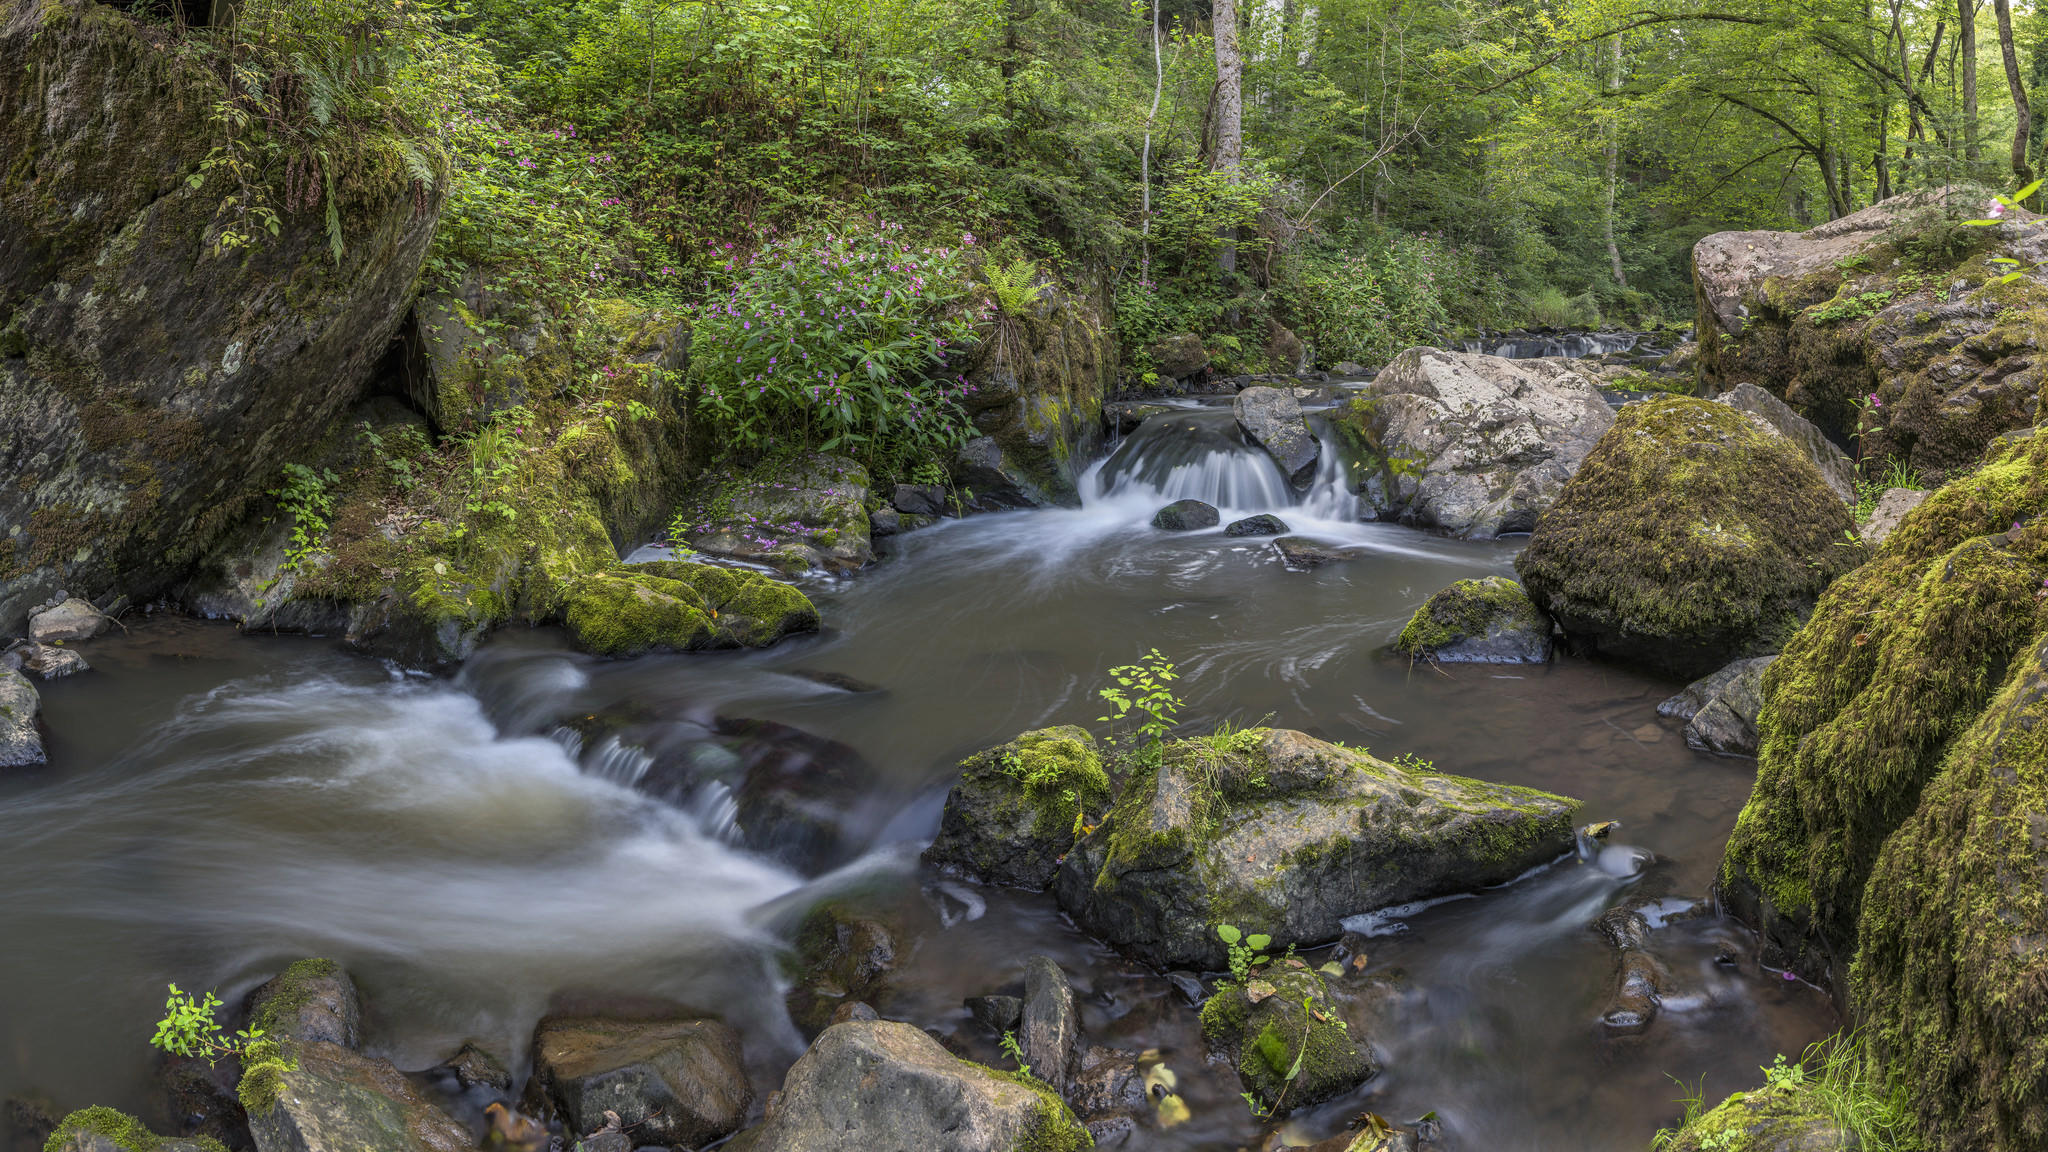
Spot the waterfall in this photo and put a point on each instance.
(1524, 346)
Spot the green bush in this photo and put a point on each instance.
(1551, 308)
(1370, 303)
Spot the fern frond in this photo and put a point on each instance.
(333, 209)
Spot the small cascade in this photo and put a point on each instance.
(622, 764)
(1332, 494)
(717, 812)
(1573, 345)
(1195, 455)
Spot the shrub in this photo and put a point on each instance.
(1369, 304)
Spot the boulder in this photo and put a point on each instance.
(1720, 710)
(1036, 391)
(1300, 552)
(1777, 1119)
(1835, 468)
(155, 380)
(989, 481)
(1689, 538)
(321, 1097)
(1280, 1015)
(1180, 356)
(884, 522)
(1285, 353)
(1050, 1032)
(1263, 524)
(996, 1014)
(1271, 418)
(920, 499)
(801, 512)
(1892, 848)
(674, 605)
(878, 1085)
(1017, 808)
(1349, 368)
(105, 1130)
(1186, 516)
(1486, 621)
(74, 619)
(671, 1081)
(21, 743)
(1891, 508)
(841, 955)
(49, 661)
(1286, 835)
(1476, 446)
(311, 1000)
(1124, 416)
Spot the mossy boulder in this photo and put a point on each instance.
(1690, 537)
(158, 380)
(671, 605)
(1282, 1015)
(1778, 1119)
(672, 1081)
(321, 1097)
(314, 999)
(1485, 621)
(1280, 833)
(106, 1130)
(1018, 808)
(801, 512)
(1035, 388)
(875, 1084)
(1893, 844)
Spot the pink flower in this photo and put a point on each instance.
(1996, 210)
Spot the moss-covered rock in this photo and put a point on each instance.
(1690, 537)
(1036, 383)
(800, 512)
(158, 380)
(1485, 621)
(1766, 1120)
(1281, 1022)
(842, 954)
(1018, 808)
(326, 1098)
(1280, 833)
(106, 1130)
(1893, 845)
(314, 999)
(683, 607)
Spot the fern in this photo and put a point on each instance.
(1016, 287)
(333, 208)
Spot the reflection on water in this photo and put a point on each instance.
(222, 803)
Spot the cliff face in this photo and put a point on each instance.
(151, 382)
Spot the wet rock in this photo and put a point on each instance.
(1264, 1026)
(21, 743)
(1186, 516)
(200, 1100)
(105, 1130)
(1124, 416)
(1891, 508)
(1015, 809)
(671, 1081)
(1263, 524)
(920, 499)
(70, 621)
(326, 1098)
(1271, 418)
(1689, 538)
(796, 790)
(997, 1014)
(884, 522)
(1487, 621)
(1639, 977)
(1302, 552)
(798, 513)
(311, 1000)
(1180, 356)
(988, 481)
(1835, 468)
(674, 605)
(1489, 443)
(49, 661)
(1720, 710)
(1348, 368)
(1108, 1085)
(854, 1010)
(841, 955)
(29, 1119)
(472, 1067)
(1051, 1030)
(1776, 1119)
(1292, 835)
(871, 1085)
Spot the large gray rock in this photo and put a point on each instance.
(1014, 811)
(51, 662)
(1488, 621)
(671, 1081)
(1476, 446)
(1271, 418)
(155, 382)
(1186, 516)
(881, 1086)
(20, 743)
(1291, 835)
(1720, 709)
(74, 619)
(1891, 508)
(1180, 356)
(327, 1098)
(311, 1000)
(1835, 468)
(1051, 1031)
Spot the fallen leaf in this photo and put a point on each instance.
(1332, 969)
(1258, 990)
(1173, 1110)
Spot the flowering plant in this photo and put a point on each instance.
(844, 340)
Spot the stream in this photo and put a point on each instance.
(544, 826)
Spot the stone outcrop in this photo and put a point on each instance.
(1720, 710)
(1038, 382)
(1486, 621)
(153, 383)
(1271, 418)
(1016, 807)
(1835, 468)
(799, 513)
(1891, 508)
(1471, 445)
(1690, 537)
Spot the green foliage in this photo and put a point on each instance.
(1247, 953)
(1015, 1052)
(306, 496)
(401, 456)
(1551, 308)
(1144, 689)
(1015, 288)
(189, 1029)
(838, 339)
(1367, 304)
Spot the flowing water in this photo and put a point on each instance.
(1571, 344)
(545, 825)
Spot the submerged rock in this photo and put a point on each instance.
(1486, 621)
(1835, 468)
(1263, 524)
(1302, 552)
(321, 1097)
(21, 743)
(1283, 834)
(1186, 516)
(1720, 710)
(1279, 1016)
(1485, 444)
(1271, 418)
(106, 1130)
(842, 955)
(674, 605)
(74, 619)
(1017, 808)
(671, 1081)
(798, 513)
(1891, 508)
(870, 1085)
(1689, 538)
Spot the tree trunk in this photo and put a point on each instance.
(2023, 118)
(1145, 158)
(1966, 37)
(1613, 159)
(1229, 156)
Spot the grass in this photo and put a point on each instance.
(1835, 1078)
(1897, 474)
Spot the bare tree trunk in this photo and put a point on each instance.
(1145, 158)
(1229, 156)
(2023, 116)
(1966, 36)
(1613, 164)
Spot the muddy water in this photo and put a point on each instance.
(221, 803)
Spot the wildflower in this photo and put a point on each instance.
(1995, 209)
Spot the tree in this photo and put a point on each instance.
(2022, 169)
(1229, 155)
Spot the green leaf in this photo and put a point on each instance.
(1229, 933)
(1258, 941)
(2023, 193)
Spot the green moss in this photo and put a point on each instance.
(130, 1134)
(1267, 1040)
(264, 1065)
(1053, 1126)
(1467, 609)
(292, 993)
